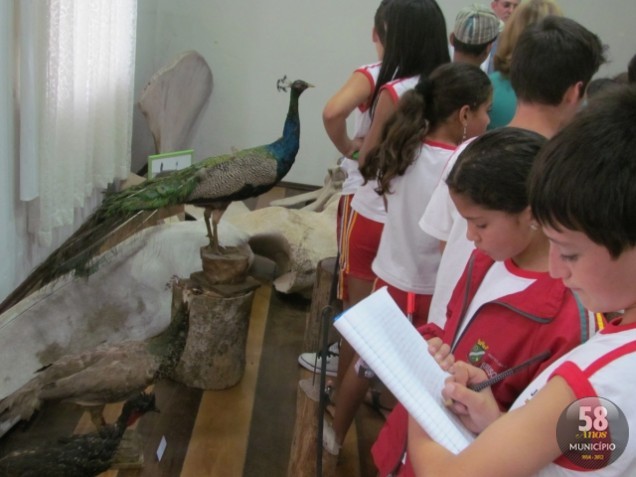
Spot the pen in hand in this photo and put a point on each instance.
(508, 372)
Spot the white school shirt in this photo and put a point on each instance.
(366, 200)
(603, 366)
(442, 220)
(407, 257)
(362, 116)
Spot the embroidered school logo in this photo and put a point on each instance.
(592, 433)
(476, 354)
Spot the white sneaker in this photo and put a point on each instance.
(313, 361)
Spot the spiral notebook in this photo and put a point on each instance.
(389, 344)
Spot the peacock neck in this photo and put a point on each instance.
(286, 147)
(292, 123)
(170, 343)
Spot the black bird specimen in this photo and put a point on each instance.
(212, 184)
(81, 455)
(106, 374)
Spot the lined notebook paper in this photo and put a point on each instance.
(389, 344)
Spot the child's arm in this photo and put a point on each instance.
(353, 93)
(384, 109)
(520, 443)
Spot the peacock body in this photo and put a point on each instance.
(212, 183)
(105, 374)
(82, 455)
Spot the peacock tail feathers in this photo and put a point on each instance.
(163, 191)
(212, 183)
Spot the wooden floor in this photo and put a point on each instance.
(242, 431)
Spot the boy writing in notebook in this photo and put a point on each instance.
(583, 194)
(505, 309)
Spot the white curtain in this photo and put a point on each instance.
(8, 174)
(76, 90)
(65, 120)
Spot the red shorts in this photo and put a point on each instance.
(360, 241)
(422, 302)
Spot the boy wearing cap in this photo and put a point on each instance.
(476, 28)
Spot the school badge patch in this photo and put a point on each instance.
(477, 352)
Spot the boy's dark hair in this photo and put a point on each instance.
(473, 50)
(493, 170)
(416, 41)
(551, 56)
(379, 20)
(420, 111)
(585, 177)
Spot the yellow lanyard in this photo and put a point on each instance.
(600, 321)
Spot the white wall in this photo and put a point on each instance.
(248, 45)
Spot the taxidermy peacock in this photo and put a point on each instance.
(81, 455)
(212, 184)
(106, 374)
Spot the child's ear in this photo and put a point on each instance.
(463, 115)
(526, 216)
(574, 93)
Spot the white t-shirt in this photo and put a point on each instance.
(604, 367)
(407, 257)
(442, 221)
(366, 200)
(362, 124)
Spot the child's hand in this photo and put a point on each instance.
(354, 148)
(441, 352)
(476, 410)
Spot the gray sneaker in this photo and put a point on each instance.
(313, 361)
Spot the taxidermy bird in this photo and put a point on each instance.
(81, 455)
(106, 374)
(212, 184)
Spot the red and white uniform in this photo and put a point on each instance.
(603, 367)
(408, 257)
(541, 315)
(361, 237)
(353, 179)
(442, 220)
(366, 200)
(362, 124)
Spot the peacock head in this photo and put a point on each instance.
(137, 406)
(299, 85)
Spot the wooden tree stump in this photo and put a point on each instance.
(303, 454)
(302, 461)
(319, 299)
(228, 267)
(214, 355)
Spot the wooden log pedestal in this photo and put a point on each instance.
(320, 295)
(214, 355)
(302, 460)
(230, 266)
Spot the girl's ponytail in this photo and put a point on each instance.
(401, 137)
(421, 111)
